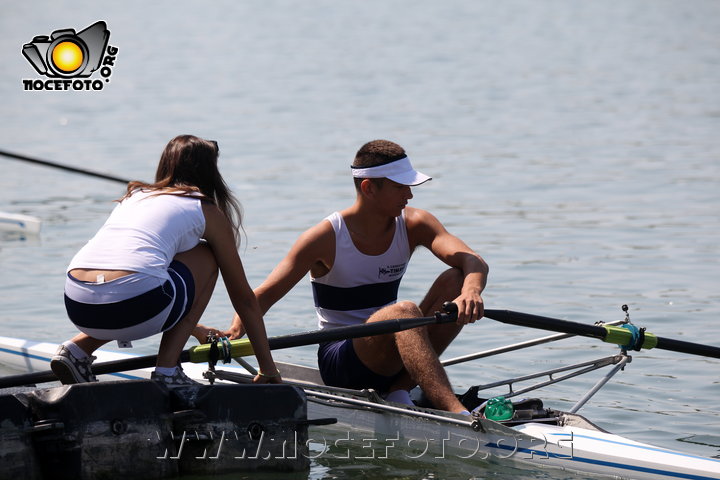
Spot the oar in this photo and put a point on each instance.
(242, 347)
(68, 168)
(513, 347)
(627, 337)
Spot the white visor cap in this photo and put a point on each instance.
(400, 171)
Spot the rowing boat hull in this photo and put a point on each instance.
(368, 427)
(15, 222)
(576, 446)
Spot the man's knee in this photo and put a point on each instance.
(407, 309)
(402, 309)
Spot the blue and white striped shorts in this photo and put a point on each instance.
(131, 307)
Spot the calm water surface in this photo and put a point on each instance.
(573, 144)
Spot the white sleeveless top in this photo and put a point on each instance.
(143, 234)
(358, 285)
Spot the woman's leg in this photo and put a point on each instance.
(201, 262)
(87, 343)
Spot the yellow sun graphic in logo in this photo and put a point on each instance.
(67, 56)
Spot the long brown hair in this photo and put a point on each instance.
(188, 166)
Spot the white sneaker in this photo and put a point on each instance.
(70, 369)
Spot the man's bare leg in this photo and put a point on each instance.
(422, 367)
(415, 351)
(445, 288)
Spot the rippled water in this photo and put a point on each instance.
(573, 144)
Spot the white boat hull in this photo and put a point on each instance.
(534, 445)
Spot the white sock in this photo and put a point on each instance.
(464, 412)
(76, 351)
(167, 371)
(399, 396)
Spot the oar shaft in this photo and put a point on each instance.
(682, 346)
(355, 331)
(546, 323)
(513, 347)
(242, 347)
(103, 368)
(9, 381)
(609, 334)
(68, 168)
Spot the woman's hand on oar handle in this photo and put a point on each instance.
(203, 334)
(236, 330)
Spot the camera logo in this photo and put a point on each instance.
(68, 56)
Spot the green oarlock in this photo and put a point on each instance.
(238, 348)
(620, 336)
(623, 336)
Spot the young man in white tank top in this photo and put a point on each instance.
(356, 258)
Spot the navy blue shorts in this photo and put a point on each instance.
(340, 367)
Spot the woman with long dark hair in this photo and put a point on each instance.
(153, 265)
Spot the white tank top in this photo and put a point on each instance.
(358, 285)
(143, 234)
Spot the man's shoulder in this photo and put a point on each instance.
(418, 217)
(320, 233)
(323, 227)
(422, 227)
(316, 244)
